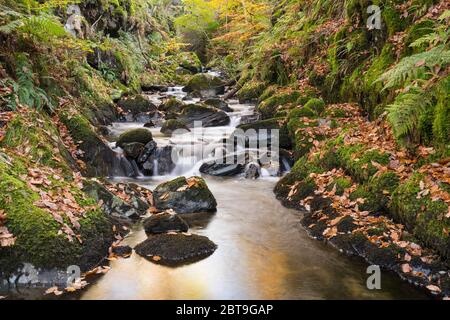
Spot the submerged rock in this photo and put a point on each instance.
(184, 196)
(122, 251)
(252, 171)
(218, 103)
(221, 170)
(165, 222)
(175, 249)
(159, 162)
(209, 116)
(172, 105)
(140, 135)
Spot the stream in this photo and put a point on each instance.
(263, 253)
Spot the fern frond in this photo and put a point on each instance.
(404, 114)
(415, 65)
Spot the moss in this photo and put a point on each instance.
(316, 105)
(35, 135)
(140, 135)
(201, 82)
(422, 216)
(357, 161)
(370, 204)
(38, 239)
(251, 90)
(268, 107)
(190, 61)
(173, 105)
(340, 184)
(274, 123)
(171, 125)
(441, 122)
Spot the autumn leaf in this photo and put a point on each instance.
(406, 268)
(156, 258)
(434, 288)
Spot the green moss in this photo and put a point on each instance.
(357, 161)
(140, 135)
(285, 141)
(441, 122)
(316, 105)
(340, 184)
(251, 90)
(424, 217)
(38, 239)
(202, 81)
(268, 107)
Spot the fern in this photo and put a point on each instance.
(416, 66)
(404, 114)
(24, 91)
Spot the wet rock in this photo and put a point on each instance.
(171, 125)
(122, 251)
(252, 171)
(140, 198)
(209, 116)
(140, 135)
(159, 162)
(165, 222)
(192, 95)
(103, 130)
(111, 204)
(218, 103)
(221, 170)
(172, 105)
(184, 196)
(206, 84)
(149, 148)
(143, 117)
(154, 88)
(133, 150)
(137, 104)
(175, 249)
(149, 124)
(190, 62)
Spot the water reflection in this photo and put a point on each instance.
(262, 254)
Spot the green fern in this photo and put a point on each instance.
(24, 91)
(405, 113)
(416, 66)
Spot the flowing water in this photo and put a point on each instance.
(263, 253)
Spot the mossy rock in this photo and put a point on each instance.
(285, 141)
(251, 91)
(205, 82)
(190, 61)
(171, 125)
(316, 105)
(137, 104)
(208, 116)
(424, 217)
(184, 196)
(340, 184)
(172, 105)
(358, 161)
(39, 241)
(140, 135)
(269, 107)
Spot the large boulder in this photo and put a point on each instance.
(175, 249)
(137, 105)
(171, 125)
(110, 203)
(140, 135)
(206, 84)
(165, 222)
(159, 162)
(184, 196)
(209, 116)
(218, 103)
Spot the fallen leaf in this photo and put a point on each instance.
(406, 268)
(156, 258)
(434, 288)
